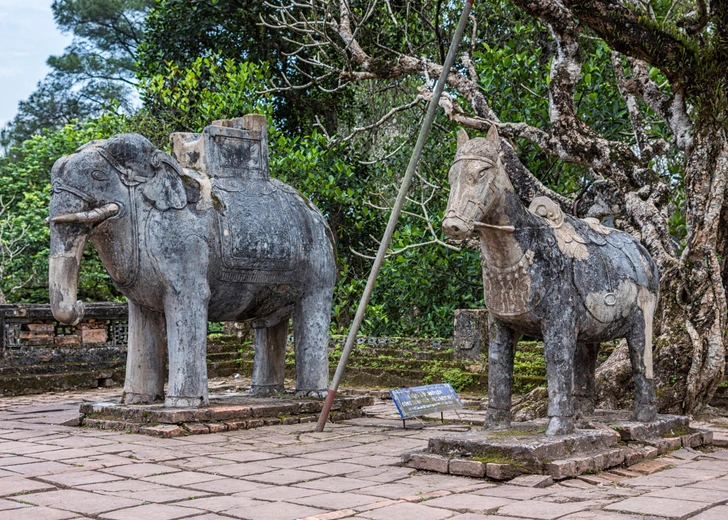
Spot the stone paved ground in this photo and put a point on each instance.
(53, 472)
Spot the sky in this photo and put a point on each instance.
(28, 35)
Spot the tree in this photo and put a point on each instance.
(180, 31)
(667, 66)
(96, 73)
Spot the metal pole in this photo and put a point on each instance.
(394, 216)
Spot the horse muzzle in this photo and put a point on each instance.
(456, 227)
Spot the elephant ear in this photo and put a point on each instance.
(165, 189)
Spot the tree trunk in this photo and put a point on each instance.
(690, 323)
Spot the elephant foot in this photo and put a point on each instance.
(560, 426)
(644, 413)
(497, 419)
(318, 394)
(133, 398)
(185, 402)
(264, 390)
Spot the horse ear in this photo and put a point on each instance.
(493, 137)
(462, 137)
(165, 189)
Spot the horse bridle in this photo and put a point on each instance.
(452, 214)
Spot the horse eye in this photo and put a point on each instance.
(100, 175)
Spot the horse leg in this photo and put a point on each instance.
(559, 340)
(644, 389)
(501, 351)
(585, 365)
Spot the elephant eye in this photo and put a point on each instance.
(100, 175)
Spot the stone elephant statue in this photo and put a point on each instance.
(221, 243)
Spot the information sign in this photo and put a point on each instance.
(421, 400)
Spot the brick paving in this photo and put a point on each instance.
(288, 472)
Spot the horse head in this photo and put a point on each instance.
(473, 187)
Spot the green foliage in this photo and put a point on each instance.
(26, 190)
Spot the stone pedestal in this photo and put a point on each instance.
(470, 334)
(607, 439)
(226, 412)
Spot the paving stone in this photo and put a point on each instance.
(239, 470)
(715, 513)
(685, 454)
(406, 510)
(335, 468)
(79, 501)
(227, 486)
(284, 477)
(335, 484)
(540, 510)
(18, 485)
(66, 454)
(9, 504)
(515, 492)
(275, 511)
(182, 478)
(532, 481)
(79, 478)
(469, 503)
(647, 467)
(664, 507)
(36, 513)
(607, 515)
(38, 468)
(140, 470)
(149, 512)
(278, 493)
(501, 471)
(426, 496)
(335, 501)
(693, 494)
(219, 504)
(248, 456)
(333, 515)
(624, 472)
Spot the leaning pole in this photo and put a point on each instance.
(394, 216)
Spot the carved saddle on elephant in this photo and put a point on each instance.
(229, 160)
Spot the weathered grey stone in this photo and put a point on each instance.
(163, 430)
(561, 469)
(202, 234)
(572, 282)
(427, 462)
(470, 334)
(501, 471)
(532, 481)
(467, 468)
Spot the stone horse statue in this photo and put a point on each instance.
(572, 282)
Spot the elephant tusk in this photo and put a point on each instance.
(95, 215)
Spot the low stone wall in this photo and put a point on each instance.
(38, 354)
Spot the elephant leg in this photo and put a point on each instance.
(585, 365)
(644, 389)
(560, 349)
(185, 307)
(269, 363)
(311, 318)
(144, 382)
(501, 352)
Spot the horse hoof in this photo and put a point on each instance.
(645, 413)
(560, 426)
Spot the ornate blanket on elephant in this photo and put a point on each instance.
(258, 242)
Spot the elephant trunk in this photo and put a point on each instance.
(63, 282)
